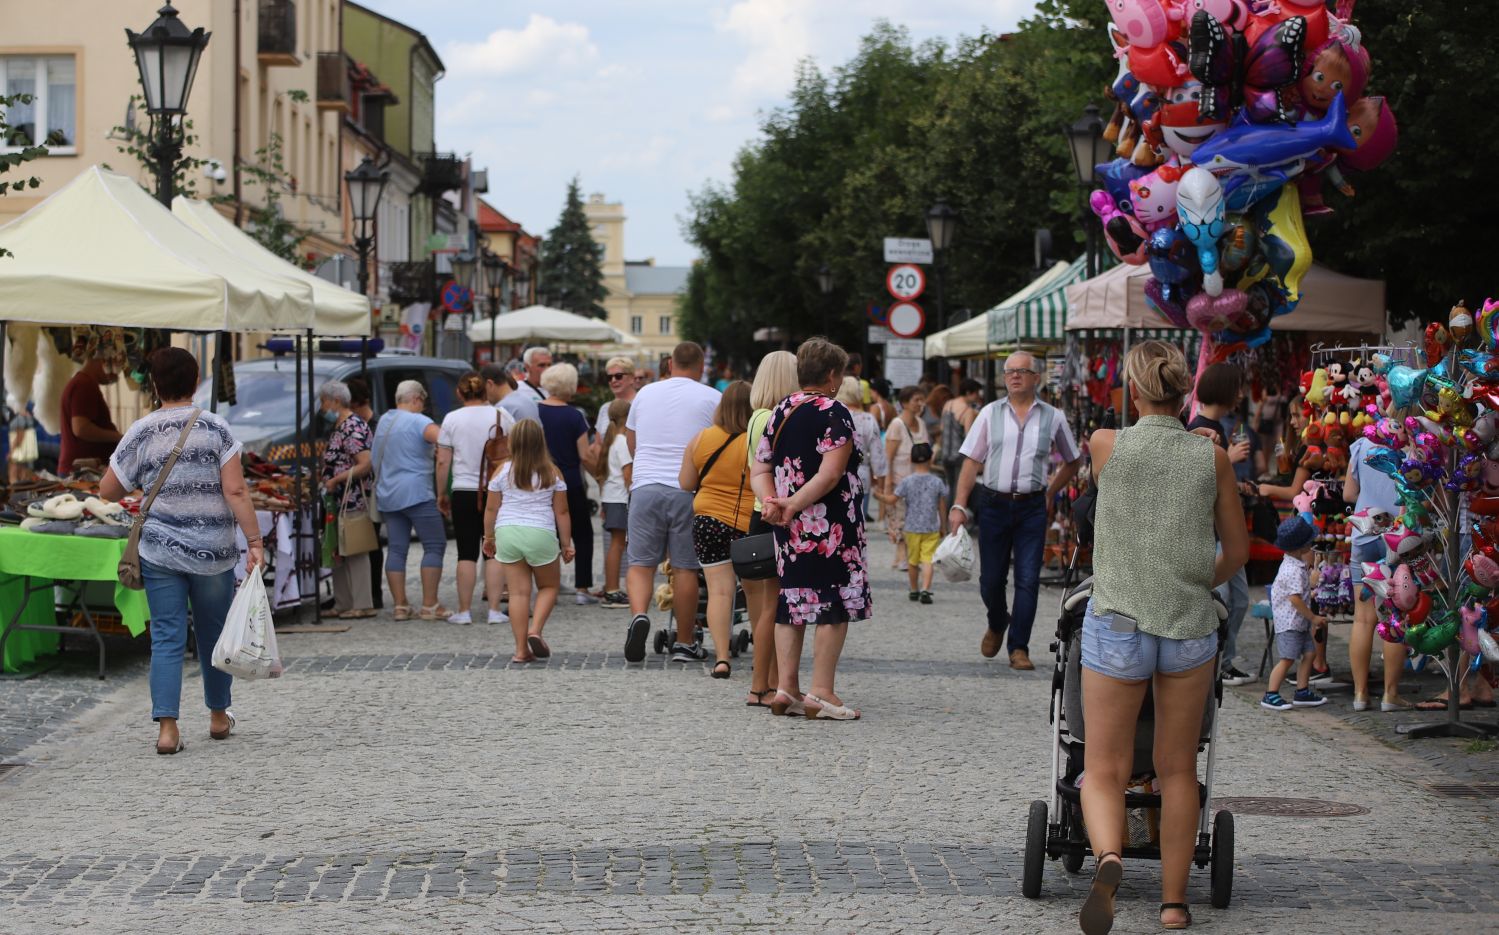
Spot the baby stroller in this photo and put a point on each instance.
(739, 625)
(1056, 831)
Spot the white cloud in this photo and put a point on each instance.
(648, 155)
(778, 35)
(543, 44)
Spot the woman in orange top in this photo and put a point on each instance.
(716, 466)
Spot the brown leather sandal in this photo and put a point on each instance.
(1097, 915)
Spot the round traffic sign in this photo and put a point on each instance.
(906, 319)
(905, 281)
(456, 298)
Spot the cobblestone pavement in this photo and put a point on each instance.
(406, 778)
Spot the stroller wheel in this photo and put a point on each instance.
(734, 648)
(742, 641)
(1035, 851)
(661, 642)
(1222, 864)
(1072, 861)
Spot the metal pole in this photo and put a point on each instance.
(941, 292)
(315, 526)
(294, 467)
(1124, 416)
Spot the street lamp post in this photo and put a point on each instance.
(494, 278)
(1089, 150)
(167, 55)
(941, 224)
(366, 184)
(825, 286)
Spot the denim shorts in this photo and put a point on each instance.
(1293, 644)
(1371, 552)
(1136, 656)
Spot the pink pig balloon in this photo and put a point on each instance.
(1403, 588)
(1467, 634)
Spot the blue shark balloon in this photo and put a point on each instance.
(1199, 209)
(1252, 160)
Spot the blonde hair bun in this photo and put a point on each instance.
(1159, 372)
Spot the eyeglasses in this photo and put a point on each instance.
(618, 376)
(1010, 370)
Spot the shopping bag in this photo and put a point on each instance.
(954, 555)
(247, 647)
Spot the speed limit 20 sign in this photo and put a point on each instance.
(905, 281)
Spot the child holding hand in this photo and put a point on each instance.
(530, 530)
(1296, 626)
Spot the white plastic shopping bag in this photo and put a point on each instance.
(954, 555)
(247, 647)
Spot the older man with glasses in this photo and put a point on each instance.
(1011, 443)
(620, 374)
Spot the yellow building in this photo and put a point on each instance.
(642, 299)
(270, 66)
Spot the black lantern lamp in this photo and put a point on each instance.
(167, 54)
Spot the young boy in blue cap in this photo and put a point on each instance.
(1295, 624)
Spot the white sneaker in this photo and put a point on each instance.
(584, 598)
(462, 618)
(498, 616)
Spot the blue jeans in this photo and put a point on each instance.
(1235, 593)
(169, 594)
(427, 522)
(1005, 527)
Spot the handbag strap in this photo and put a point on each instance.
(170, 463)
(744, 475)
(713, 458)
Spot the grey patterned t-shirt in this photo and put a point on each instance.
(190, 527)
(922, 493)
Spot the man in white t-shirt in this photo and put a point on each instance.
(664, 417)
(536, 359)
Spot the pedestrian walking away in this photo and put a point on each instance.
(1151, 621)
(460, 463)
(406, 493)
(566, 431)
(528, 530)
(664, 417)
(187, 549)
(1004, 488)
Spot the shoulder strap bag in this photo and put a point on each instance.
(754, 557)
(356, 531)
(496, 453)
(129, 569)
(713, 459)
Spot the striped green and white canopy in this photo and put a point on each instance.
(1040, 318)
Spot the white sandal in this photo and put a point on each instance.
(790, 705)
(828, 710)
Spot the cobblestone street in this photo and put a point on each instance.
(407, 778)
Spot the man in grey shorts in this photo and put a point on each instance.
(664, 418)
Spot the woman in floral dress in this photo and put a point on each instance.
(346, 462)
(807, 475)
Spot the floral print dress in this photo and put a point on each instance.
(820, 555)
(350, 437)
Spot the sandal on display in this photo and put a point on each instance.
(1097, 916)
(224, 734)
(826, 710)
(783, 704)
(1183, 923)
(723, 672)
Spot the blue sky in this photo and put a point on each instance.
(645, 99)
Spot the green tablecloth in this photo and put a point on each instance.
(70, 558)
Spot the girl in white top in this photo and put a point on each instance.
(460, 450)
(529, 529)
(614, 493)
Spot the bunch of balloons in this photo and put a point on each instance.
(1230, 117)
(1439, 582)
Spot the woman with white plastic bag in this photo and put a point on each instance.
(247, 647)
(187, 548)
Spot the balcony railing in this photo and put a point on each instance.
(333, 84)
(414, 281)
(277, 43)
(441, 172)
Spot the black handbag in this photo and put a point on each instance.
(754, 557)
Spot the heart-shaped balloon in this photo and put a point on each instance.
(1225, 312)
(1406, 385)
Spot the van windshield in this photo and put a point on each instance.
(262, 397)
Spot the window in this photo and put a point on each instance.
(637, 324)
(51, 117)
(665, 324)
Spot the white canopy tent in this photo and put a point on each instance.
(337, 312)
(971, 338)
(103, 251)
(1330, 302)
(538, 323)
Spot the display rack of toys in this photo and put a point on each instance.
(1436, 589)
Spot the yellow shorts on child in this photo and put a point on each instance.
(536, 547)
(921, 546)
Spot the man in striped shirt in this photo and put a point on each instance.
(1008, 453)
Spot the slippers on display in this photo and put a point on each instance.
(64, 506)
(107, 512)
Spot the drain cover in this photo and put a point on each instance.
(1288, 808)
(1471, 790)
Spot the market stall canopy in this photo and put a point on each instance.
(540, 324)
(971, 338)
(1330, 302)
(1038, 318)
(101, 251)
(337, 312)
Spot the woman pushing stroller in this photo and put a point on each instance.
(1162, 492)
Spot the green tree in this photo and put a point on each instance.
(135, 141)
(13, 161)
(572, 262)
(268, 223)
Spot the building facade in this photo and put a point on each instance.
(642, 299)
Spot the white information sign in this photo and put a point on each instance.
(908, 250)
(905, 349)
(903, 372)
(878, 334)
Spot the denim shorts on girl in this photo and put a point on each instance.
(1136, 656)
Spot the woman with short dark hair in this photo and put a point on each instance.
(187, 548)
(806, 474)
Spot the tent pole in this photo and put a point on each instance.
(298, 437)
(315, 528)
(1124, 416)
(218, 372)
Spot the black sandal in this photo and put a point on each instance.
(1097, 915)
(1177, 925)
(726, 669)
(759, 701)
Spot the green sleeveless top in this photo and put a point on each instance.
(1153, 544)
